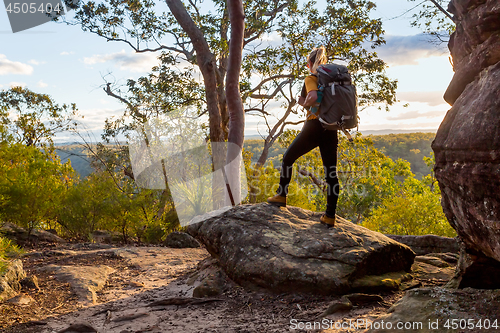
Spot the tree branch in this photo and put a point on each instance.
(275, 92)
(271, 14)
(319, 183)
(131, 107)
(186, 53)
(445, 12)
(258, 110)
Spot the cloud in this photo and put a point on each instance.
(36, 62)
(406, 50)
(94, 117)
(13, 67)
(41, 84)
(420, 127)
(418, 115)
(17, 84)
(432, 98)
(134, 62)
(64, 53)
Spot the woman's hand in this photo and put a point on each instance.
(301, 100)
(311, 98)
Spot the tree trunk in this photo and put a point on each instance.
(206, 62)
(221, 71)
(233, 96)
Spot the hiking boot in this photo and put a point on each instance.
(329, 221)
(277, 200)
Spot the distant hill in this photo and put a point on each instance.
(396, 131)
(408, 146)
(367, 132)
(255, 146)
(78, 156)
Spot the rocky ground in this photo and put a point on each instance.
(106, 288)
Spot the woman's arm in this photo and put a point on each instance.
(310, 99)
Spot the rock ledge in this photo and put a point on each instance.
(287, 250)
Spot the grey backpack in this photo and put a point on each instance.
(337, 98)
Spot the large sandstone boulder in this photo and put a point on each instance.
(288, 250)
(475, 45)
(467, 144)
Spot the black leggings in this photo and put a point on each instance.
(312, 136)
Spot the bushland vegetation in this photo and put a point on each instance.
(382, 186)
(378, 192)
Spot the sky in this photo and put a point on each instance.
(71, 66)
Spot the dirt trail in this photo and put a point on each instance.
(143, 275)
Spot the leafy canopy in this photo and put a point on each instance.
(33, 119)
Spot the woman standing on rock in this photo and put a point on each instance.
(311, 136)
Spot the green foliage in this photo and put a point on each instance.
(381, 193)
(88, 206)
(131, 210)
(8, 250)
(38, 191)
(412, 147)
(33, 119)
(414, 210)
(97, 203)
(366, 177)
(431, 20)
(32, 185)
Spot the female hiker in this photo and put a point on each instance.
(311, 136)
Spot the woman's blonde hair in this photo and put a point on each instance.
(317, 57)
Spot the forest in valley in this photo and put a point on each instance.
(412, 147)
(387, 181)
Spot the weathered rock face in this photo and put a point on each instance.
(9, 279)
(430, 309)
(475, 45)
(287, 250)
(180, 240)
(20, 235)
(476, 271)
(84, 280)
(467, 144)
(428, 243)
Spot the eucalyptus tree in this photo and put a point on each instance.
(433, 19)
(349, 34)
(33, 119)
(189, 31)
(194, 35)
